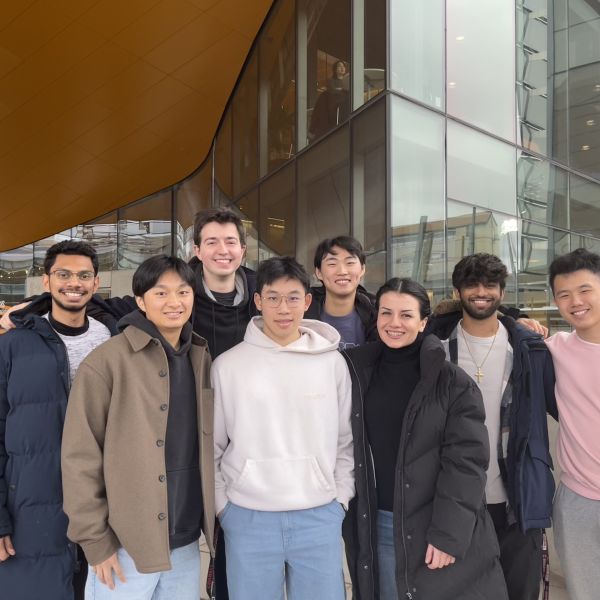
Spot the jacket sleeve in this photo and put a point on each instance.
(119, 307)
(84, 491)
(5, 520)
(344, 463)
(549, 387)
(221, 441)
(464, 458)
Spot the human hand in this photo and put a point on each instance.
(6, 548)
(5, 321)
(534, 325)
(436, 559)
(104, 571)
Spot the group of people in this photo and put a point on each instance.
(277, 418)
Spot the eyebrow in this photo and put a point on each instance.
(583, 285)
(214, 237)
(403, 311)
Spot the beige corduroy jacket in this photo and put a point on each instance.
(113, 453)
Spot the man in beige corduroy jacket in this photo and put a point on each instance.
(137, 454)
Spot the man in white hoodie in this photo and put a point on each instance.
(284, 468)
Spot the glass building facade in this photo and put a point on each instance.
(428, 130)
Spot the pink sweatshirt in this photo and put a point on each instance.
(577, 366)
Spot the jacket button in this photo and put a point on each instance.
(360, 464)
(366, 567)
(155, 342)
(364, 515)
(409, 537)
(357, 415)
(164, 406)
(160, 443)
(12, 487)
(162, 373)
(161, 478)
(407, 485)
(162, 516)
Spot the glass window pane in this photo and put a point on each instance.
(417, 50)
(223, 189)
(144, 230)
(481, 64)
(417, 190)
(247, 209)
(324, 36)
(542, 191)
(15, 269)
(193, 195)
(584, 206)
(323, 194)
(278, 215)
(245, 129)
(481, 170)
(369, 177)
(278, 87)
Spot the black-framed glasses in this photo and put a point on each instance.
(273, 299)
(66, 275)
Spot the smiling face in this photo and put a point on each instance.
(340, 272)
(281, 323)
(481, 300)
(168, 304)
(399, 319)
(577, 296)
(72, 295)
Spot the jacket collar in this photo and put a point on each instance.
(139, 339)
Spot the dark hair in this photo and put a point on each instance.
(72, 248)
(217, 215)
(281, 267)
(479, 268)
(150, 271)
(406, 286)
(576, 260)
(347, 243)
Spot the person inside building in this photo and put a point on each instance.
(421, 531)
(38, 361)
(575, 283)
(283, 446)
(513, 369)
(137, 453)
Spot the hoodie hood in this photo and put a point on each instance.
(317, 337)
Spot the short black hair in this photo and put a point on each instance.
(150, 271)
(577, 260)
(72, 248)
(281, 267)
(217, 215)
(347, 243)
(407, 286)
(479, 268)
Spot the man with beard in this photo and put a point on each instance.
(513, 369)
(38, 361)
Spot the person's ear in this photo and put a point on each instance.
(139, 300)
(258, 301)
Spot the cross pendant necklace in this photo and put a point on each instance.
(479, 372)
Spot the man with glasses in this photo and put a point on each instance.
(38, 361)
(284, 468)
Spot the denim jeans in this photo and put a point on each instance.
(298, 550)
(182, 582)
(386, 556)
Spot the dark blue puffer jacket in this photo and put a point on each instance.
(34, 387)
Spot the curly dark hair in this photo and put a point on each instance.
(479, 268)
(72, 248)
(576, 260)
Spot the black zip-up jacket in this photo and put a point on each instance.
(364, 303)
(528, 474)
(439, 486)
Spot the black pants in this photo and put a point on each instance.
(80, 575)
(221, 591)
(520, 555)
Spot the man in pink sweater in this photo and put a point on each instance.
(575, 283)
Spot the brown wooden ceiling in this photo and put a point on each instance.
(105, 101)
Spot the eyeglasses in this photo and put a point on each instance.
(65, 275)
(273, 300)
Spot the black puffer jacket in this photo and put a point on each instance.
(439, 487)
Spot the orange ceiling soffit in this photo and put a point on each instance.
(105, 102)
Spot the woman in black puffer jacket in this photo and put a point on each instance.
(423, 531)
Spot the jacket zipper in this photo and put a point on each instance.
(408, 594)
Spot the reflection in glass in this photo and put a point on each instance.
(193, 195)
(584, 206)
(247, 209)
(375, 273)
(417, 189)
(278, 215)
(41, 246)
(324, 43)
(223, 187)
(417, 50)
(481, 170)
(278, 87)
(102, 235)
(15, 267)
(542, 191)
(480, 65)
(323, 194)
(144, 230)
(369, 177)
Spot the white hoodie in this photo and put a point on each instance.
(283, 439)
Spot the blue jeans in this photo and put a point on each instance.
(386, 556)
(182, 582)
(298, 550)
